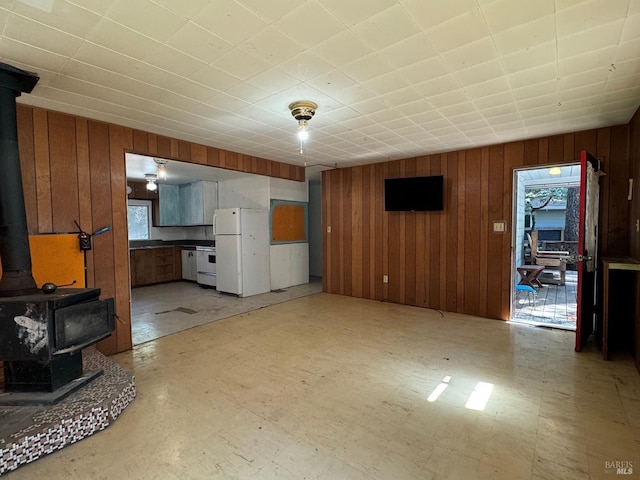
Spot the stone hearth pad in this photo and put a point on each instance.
(30, 432)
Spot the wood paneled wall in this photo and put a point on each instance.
(634, 159)
(74, 169)
(452, 260)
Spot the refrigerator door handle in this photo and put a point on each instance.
(214, 223)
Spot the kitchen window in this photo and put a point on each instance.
(139, 219)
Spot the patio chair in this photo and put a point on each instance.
(531, 293)
(551, 260)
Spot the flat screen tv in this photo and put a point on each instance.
(414, 194)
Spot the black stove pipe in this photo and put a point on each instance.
(17, 278)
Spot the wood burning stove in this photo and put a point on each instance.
(42, 334)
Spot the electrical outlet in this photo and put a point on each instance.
(499, 227)
(385, 279)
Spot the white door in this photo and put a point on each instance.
(228, 264)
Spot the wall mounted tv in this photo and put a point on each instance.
(414, 194)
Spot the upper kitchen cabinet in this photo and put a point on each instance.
(198, 202)
(169, 212)
(188, 204)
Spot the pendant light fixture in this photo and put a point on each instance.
(303, 111)
(161, 171)
(151, 179)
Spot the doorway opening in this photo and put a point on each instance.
(546, 220)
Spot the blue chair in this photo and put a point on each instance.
(530, 290)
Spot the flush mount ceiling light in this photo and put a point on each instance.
(161, 171)
(151, 179)
(555, 171)
(303, 111)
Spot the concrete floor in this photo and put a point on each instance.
(333, 387)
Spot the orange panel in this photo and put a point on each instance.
(288, 223)
(56, 258)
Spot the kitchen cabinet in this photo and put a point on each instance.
(169, 205)
(155, 265)
(188, 204)
(189, 265)
(198, 202)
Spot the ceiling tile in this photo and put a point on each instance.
(535, 90)
(62, 16)
(37, 57)
(438, 12)
(488, 88)
(493, 100)
(222, 18)
(331, 80)
(39, 35)
(269, 11)
(474, 53)
(114, 36)
(627, 50)
(273, 80)
(622, 82)
(590, 14)
(341, 49)
(598, 59)
(484, 72)
(352, 13)
(458, 110)
(449, 98)
(147, 18)
(199, 43)
(505, 14)
(469, 28)
(530, 57)
(168, 58)
(271, 46)
(323, 27)
(180, 7)
(95, 6)
(409, 52)
(586, 41)
(386, 83)
(545, 104)
(354, 94)
(386, 28)
(194, 90)
(306, 66)
(425, 70)
(401, 97)
(215, 78)
(525, 36)
(105, 59)
(437, 86)
(631, 28)
(367, 67)
(533, 76)
(241, 64)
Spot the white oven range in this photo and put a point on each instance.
(206, 265)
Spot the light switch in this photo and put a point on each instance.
(499, 227)
(329, 229)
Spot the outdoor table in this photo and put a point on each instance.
(529, 274)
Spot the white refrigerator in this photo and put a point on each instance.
(242, 251)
